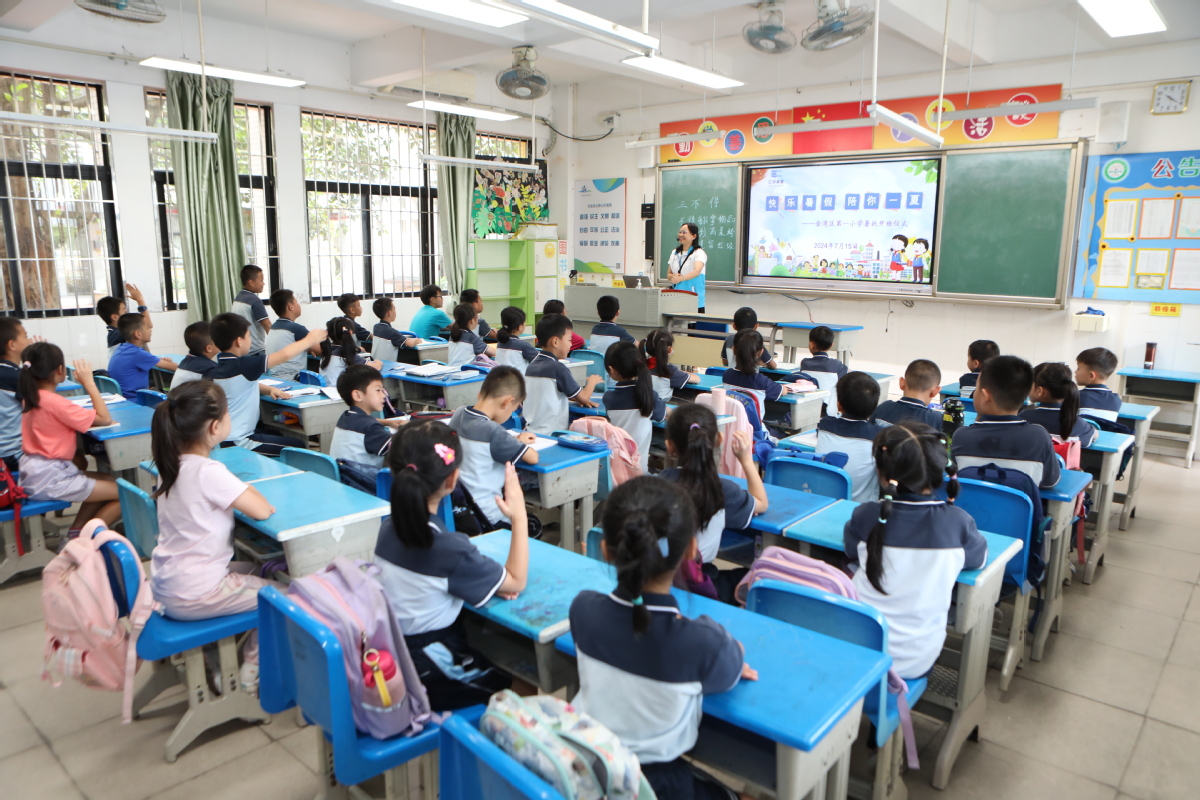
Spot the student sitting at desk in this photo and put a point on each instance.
(430, 320)
(1093, 367)
(201, 357)
(13, 342)
(285, 331)
(923, 542)
(744, 374)
(607, 332)
(339, 349)
(644, 668)
(359, 436)
(853, 433)
(351, 305)
(744, 318)
(387, 340)
(512, 325)
(557, 307)
(658, 346)
(1001, 437)
(249, 305)
(110, 309)
(920, 386)
(978, 352)
(428, 572)
(130, 365)
(820, 339)
(631, 403)
(1057, 399)
(487, 447)
(549, 386)
(472, 298)
(465, 344)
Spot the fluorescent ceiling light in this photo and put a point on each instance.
(562, 11)
(821, 125)
(487, 15)
(885, 116)
(481, 163)
(1019, 109)
(41, 121)
(689, 137)
(218, 72)
(1125, 17)
(681, 71)
(466, 111)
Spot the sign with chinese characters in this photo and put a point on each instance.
(598, 225)
(1139, 234)
(746, 136)
(1165, 309)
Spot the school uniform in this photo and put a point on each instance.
(387, 341)
(926, 544)
(730, 359)
(360, 333)
(484, 329)
(49, 439)
(360, 438)
(238, 376)
(648, 688)
(114, 339)
(621, 404)
(1097, 400)
(823, 362)
(1009, 442)
(892, 412)
(429, 322)
(606, 334)
(1046, 415)
(855, 438)
(10, 415)
(666, 387)
(549, 388)
(967, 383)
(736, 515)
(249, 305)
(283, 333)
(757, 384)
(464, 351)
(487, 447)
(337, 364)
(426, 589)
(192, 368)
(130, 366)
(522, 346)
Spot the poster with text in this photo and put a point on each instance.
(599, 225)
(746, 136)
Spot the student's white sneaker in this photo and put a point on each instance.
(248, 677)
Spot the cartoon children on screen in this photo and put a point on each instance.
(920, 250)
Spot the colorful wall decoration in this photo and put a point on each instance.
(598, 225)
(746, 136)
(503, 199)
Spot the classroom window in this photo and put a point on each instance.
(58, 248)
(254, 151)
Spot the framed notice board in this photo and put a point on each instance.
(711, 198)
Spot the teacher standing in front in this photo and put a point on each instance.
(685, 268)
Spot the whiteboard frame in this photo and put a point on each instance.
(738, 236)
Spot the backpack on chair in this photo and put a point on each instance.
(1070, 450)
(623, 459)
(12, 496)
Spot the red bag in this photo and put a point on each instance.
(12, 496)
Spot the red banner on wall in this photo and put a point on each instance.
(747, 136)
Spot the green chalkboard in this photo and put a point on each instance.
(1002, 222)
(707, 196)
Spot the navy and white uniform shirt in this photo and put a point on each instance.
(926, 544)
(238, 376)
(283, 333)
(387, 341)
(487, 447)
(361, 438)
(1098, 400)
(967, 384)
(427, 587)
(10, 410)
(249, 305)
(614, 330)
(527, 350)
(666, 387)
(621, 404)
(756, 382)
(484, 329)
(736, 515)
(388, 332)
(192, 368)
(731, 359)
(337, 365)
(114, 339)
(891, 412)
(823, 362)
(1009, 442)
(549, 388)
(649, 688)
(360, 333)
(466, 348)
(855, 438)
(1046, 415)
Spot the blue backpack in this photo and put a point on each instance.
(763, 445)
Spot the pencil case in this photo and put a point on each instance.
(579, 441)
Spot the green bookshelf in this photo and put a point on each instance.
(503, 270)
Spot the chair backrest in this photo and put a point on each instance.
(808, 476)
(140, 514)
(383, 490)
(123, 574)
(307, 376)
(594, 356)
(968, 403)
(383, 349)
(107, 385)
(1003, 510)
(311, 461)
(830, 614)
(149, 398)
(472, 767)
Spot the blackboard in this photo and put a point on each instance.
(1002, 221)
(707, 196)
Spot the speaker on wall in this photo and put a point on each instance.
(1114, 123)
(649, 239)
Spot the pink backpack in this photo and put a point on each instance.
(386, 695)
(85, 636)
(624, 458)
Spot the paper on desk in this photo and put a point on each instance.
(270, 382)
(429, 370)
(104, 427)
(304, 391)
(541, 443)
(86, 402)
(331, 392)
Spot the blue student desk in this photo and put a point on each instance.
(318, 413)
(160, 379)
(317, 519)
(246, 465)
(1139, 417)
(68, 388)
(1179, 389)
(566, 476)
(785, 507)
(795, 336)
(426, 392)
(1060, 503)
(790, 411)
(126, 444)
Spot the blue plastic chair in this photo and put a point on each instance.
(805, 475)
(36, 555)
(718, 371)
(140, 516)
(311, 461)
(301, 665)
(472, 767)
(597, 365)
(310, 378)
(968, 403)
(107, 385)
(383, 490)
(149, 398)
(164, 638)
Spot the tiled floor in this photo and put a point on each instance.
(1112, 713)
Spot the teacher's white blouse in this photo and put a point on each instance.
(680, 263)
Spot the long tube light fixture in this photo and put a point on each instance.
(1019, 109)
(481, 163)
(175, 65)
(41, 121)
(885, 116)
(464, 110)
(491, 15)
(681, 71)
(579, 19)
(689, 137)
(876, 115)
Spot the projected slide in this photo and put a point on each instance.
(866, 222)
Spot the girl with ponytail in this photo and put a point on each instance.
(428, 572)
(512, 325)
(657, 347)
(908, 549)
(1057, 397)
(340, 350)
(462, 331)
(643, 666)
(748, 351)
(193, 572)
(632, 404)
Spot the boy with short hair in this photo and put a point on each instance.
(430, 320)
(488, 447)
(110, 309)
(607, 332)
(549, 386)
(919, 386)
(359, 436)
(1001, 437)
(472, 298)
(820, 339)
(558, 307)
(249, 305)
(1092, 368)
(978, 352)
(13, 342)
(854, 434)
(130, 365)
(744, 318)
(238, 372)
(385, 309)
(285, 331)
(351, 306)
(201, 357)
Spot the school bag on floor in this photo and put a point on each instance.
(386, 696)
(86, 638)
(571, 751)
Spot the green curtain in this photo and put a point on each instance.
(206, 186)
(455, 137)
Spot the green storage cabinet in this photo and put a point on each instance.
(504, 272)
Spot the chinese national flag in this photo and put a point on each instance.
(836, 140)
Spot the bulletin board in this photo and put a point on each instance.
(1139, 232)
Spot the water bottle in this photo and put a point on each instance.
(952, 416)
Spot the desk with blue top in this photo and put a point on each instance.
(423, 392)
(566, 476)
(795, 336)
(318, 414)
(793, 412)
(69, 388)
(160, 379)
(246, 465)
(127, 443)
(1174, 388)
(1060, 502)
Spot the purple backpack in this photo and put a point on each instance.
(386, 695)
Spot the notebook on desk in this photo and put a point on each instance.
(430, 370)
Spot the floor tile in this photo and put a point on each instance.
(63, 710)
(303, 745)
(1186, 650)
(1164, 764)
(1117, 625)
(1177, 698)
(987, 771)
(21, 655)
(269, 773)
(21, 604)
(1137, 589)
(1133, 554)
(16, 731)
(1111, 675)
(1177, 536)
(36, 774)
(1193, 610)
